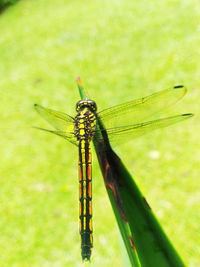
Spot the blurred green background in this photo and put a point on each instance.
(122, 50)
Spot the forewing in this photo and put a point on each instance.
(58, 120)
(139, 110)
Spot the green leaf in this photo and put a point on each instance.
(132, 210)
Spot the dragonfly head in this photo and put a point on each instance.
(86, 103)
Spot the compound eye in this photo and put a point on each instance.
(92, 105)
(86, 103)
(78, 105)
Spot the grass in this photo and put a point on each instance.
(5, 3)
(122, 50)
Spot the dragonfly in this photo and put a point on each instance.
(128, 120)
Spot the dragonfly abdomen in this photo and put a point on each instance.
(85, 197)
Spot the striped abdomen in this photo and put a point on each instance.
(85, 182)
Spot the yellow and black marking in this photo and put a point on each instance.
(85, 125)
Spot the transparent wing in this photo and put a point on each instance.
(68, 136)
(136, 130)
(63, 123)
(57, 119)
(139, 110)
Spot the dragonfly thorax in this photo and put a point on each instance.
(85, 123)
